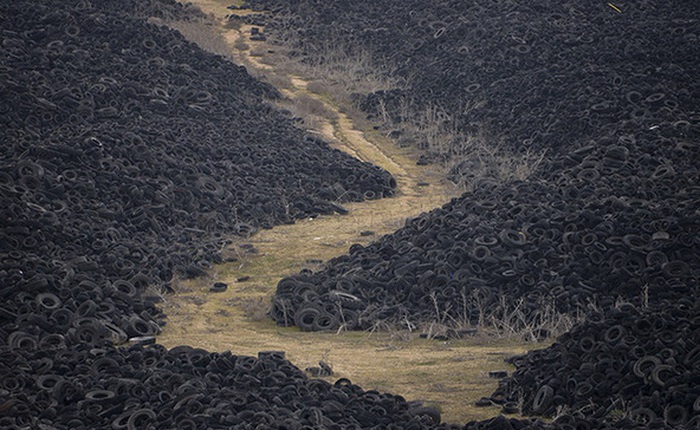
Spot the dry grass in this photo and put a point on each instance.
(448, 374)
(469, 158)
(338, 71)
(203, 32)
(312, 111)
(256, 309)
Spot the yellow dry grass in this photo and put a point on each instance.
(450, 375)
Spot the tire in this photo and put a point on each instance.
(643, 416)
(48, 301)
(543, 400)
(100, 395)
(218, 287)
(643, 367)
(614, 334)
(325, 321)
(662, 374)
(512, 238)
(304, 318)
(431, 413)
(140, 418)
(675, 415)
(139, 327)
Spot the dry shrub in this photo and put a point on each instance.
(468, 158)
(341, 70)
(311, 110)
(202, 31)
(256, 309)
(306, 105)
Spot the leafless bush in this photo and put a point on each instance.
(517, 319)
(200, 30)
(467, 157)
(256, 309)
(342, 70)
(472, 314)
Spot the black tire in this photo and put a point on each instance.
(542, 402)
(140, 418)
(48, 301)
(218, 287)
(325, 321)
(431, 413)
(675, 415)
(510, 408)
(483, 402)
(304, 318)
(662, 375)
(139, 327)
(643, 367)
(47, 382)
(100, 395)
(614, 334)
(512, 238)
(643, 416)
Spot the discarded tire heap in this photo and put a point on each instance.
(647, 357)
(129, 159)
(576, 68)
(500, 249)
(611, 215)
(99, 386)
(129, 154)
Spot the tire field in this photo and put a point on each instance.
(131, 158)
(606, 227)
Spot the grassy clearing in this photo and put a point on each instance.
(448, 374)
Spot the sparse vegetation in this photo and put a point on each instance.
(256, 309)
(467, 158)
(201, 31)
(235, 319)
(341, 72)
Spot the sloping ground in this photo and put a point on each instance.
(402, 363)
(612, 213)
(609, 217)
(130, 160)
(121, 139)
(644, 361)
(530, 76)
(63, 305)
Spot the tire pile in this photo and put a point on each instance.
(131, 156)
(649, 358)
(610, 92)
(92, 386)
(522, 245)
(532, 76)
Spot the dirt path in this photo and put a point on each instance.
(451, 375)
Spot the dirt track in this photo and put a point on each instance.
(398, 362)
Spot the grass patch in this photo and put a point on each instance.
(203, 31)
(452, 374)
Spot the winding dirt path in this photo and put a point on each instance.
(450, 375)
